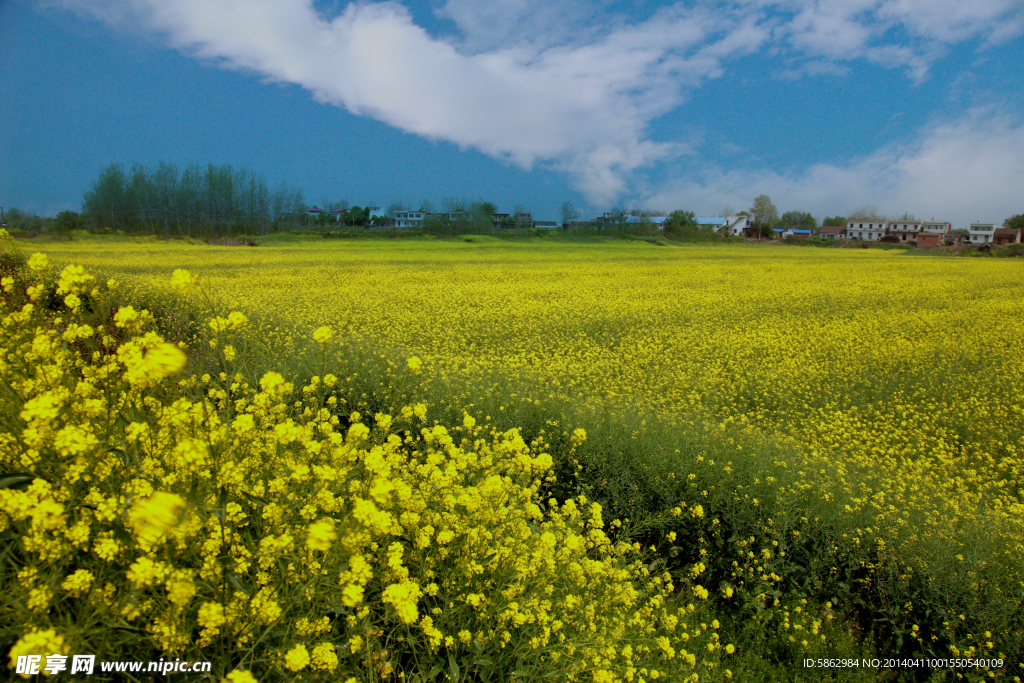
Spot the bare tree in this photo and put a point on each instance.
(867, 213)
(569, 213)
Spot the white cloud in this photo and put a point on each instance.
(581, 108)
(493, 25)
(845, 30)
(958, 170)
(545, 81)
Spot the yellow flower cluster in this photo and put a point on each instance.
(889, 382)
(215, 516)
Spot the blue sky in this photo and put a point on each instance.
(825, 105)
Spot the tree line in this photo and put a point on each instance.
(215, 201)
(193, 201)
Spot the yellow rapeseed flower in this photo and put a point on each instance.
(297, 658)
(183, 281)
(321, 535)
(38, 262)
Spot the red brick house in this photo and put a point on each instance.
(837, 231)
(1006, 236)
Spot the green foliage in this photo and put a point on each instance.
(834, 221)
(764, 213)
(66, 222)
(24, 221)
(681, 225)
(1015, 221)
(215, 201)
(797, 220)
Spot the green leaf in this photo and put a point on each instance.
(15, 479)
(123, 536)
(120, 454)
(255, 500)
(455, 667)
(237, 583)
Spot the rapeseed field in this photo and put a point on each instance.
(794, 437)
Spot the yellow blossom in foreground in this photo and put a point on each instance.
(42, 643)
(297, 658)
(78, 583)
(324, 657)
(125, 316)
(323, 335)
(152, 517)
(321, 535)
(239, 676)
(403, 597)
(895, 479)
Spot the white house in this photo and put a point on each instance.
(981, 233)
(408, 219)
(936, 227)
(734, 225)
(906, 230)
(715, 222)
(865, 229)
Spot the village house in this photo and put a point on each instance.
(1006, 236)
(905, 230)
(937, 227)
(981, 233)
(781, 233)
(408, 219)
(871, 229)
(710, 222)
(836, 231)
(737, 225)
(934, 233)
(545, 225)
